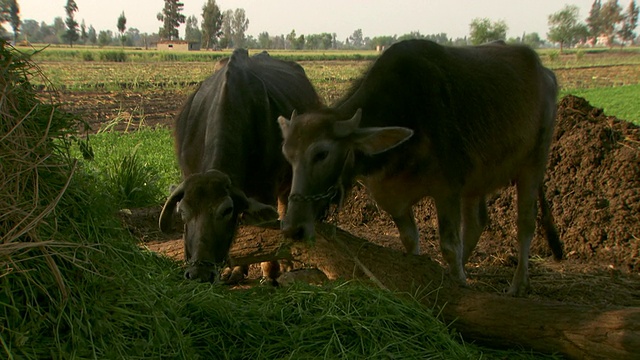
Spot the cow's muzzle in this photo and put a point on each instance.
(304, 210)
(204, 271)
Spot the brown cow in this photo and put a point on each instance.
(452, 123)
(228, 147)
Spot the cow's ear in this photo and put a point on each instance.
(258, 213)
(253, 212)
(371, 141)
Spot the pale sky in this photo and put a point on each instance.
(374, 17)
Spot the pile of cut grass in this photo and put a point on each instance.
(74, 285)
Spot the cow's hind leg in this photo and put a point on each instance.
(409, 235)
(474, 219)
(527, 208)
(449, 219)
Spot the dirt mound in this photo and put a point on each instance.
(593, 182)
(593, 186)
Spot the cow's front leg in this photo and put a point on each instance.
(409, 235)
(449, 216)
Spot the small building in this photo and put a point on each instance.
(179, 45)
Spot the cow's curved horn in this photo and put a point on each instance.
(347, 127)
(293, 114)
(169, 207)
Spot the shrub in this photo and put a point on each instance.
(169, 57)
(132, 183)
(87, 56)
(114, 56)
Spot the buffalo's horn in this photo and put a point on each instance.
(169, 207)
(347, 127)
(285, 124)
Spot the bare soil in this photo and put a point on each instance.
(592, 182)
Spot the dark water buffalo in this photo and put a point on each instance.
(452, 123)
(228, 145)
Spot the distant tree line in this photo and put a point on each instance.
(607, 24)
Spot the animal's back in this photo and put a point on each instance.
(229, 123)
(471, 108)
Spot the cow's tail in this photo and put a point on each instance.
(551, 231)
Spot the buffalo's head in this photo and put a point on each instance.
(210, 207)
(321, 149)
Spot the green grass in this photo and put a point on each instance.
(117, 54)
(135, 168)
(622, 102)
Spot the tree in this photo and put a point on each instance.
(629, 23)
(58, 30)
(171, 18)
(610, 15)
(292, 39)
(14, 18)
(71, 34)
(122, 26)
(356, 39)
(104, 38)
(482, 30)
(565, 28)
(382, 41)
(225, 40)
(192, 31)
(264, 41)
(594, 21)
(211, 24)
(91, 35)
(83, 32)
(278, 42)
(133, 37)
(4, 16)
(532, 40)
(239, 24)
(31, 30)
(411, 35)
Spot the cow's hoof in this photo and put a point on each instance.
(232, 276)
(267, 281)
(518, 291)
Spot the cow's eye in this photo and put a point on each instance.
(227, 211)
(319, 156)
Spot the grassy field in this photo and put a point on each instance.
(604, 77)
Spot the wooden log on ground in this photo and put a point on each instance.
(576, 331)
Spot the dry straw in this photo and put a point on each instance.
(33, 165)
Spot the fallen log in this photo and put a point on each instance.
(576, 331)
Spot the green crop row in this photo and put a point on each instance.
(89, 54)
